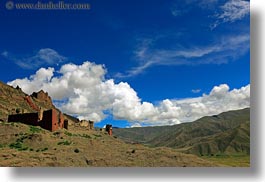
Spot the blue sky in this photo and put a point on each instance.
(164, 50)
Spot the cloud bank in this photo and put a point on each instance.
(82, 90)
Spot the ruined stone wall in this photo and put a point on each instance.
(50, 120)
(26, 118)
(84, 123)
(65, 124)
(61, 120)
(91, 125)
(109, 129)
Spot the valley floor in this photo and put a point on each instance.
(230, 160)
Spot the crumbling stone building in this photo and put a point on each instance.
(88, 124)
(109, 129)
(91, 125)
(50, 119)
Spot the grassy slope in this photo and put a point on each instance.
(234, 160)
(23, 145)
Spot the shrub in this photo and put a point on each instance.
(57, 133)
(21, 139)
(97, 135)
(76, 150)
(18, 110)
(23, 148)
(68, 133)
(85, 136)
(44, 149)
(16, 145)
(19, 143)
(64, 143)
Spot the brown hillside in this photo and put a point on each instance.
(14, 100)
(23, 145)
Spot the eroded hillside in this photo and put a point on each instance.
(23, 145)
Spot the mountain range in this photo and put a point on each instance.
(226, 133)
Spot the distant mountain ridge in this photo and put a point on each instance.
(227, 133)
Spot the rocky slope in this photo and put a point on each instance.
(23, 145)
(14, 100)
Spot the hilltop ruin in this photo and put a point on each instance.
(36, 109)
(50, 120)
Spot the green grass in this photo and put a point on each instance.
(18, 145)
(97, 135)
(68, 133)
(235, 160)
(64, 143)
(34, 129)
(78, 135)
(44, 149)
(85, 136)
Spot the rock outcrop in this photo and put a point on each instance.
(42, 97)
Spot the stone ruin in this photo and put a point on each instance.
(50, 119)
(89, 124)
(109, 129)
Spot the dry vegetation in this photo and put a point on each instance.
(23, 145)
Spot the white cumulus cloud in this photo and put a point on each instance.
(136, 125)
(82, 90)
